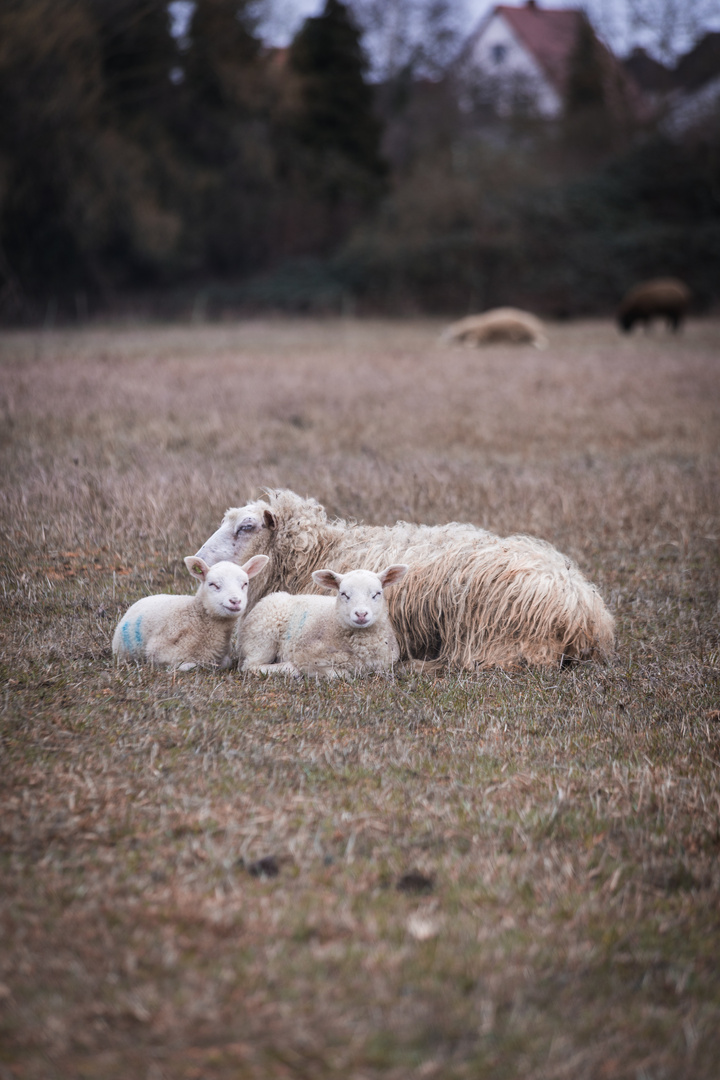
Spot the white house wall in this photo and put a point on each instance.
(517, 70)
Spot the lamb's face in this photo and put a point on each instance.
(359, 599)
(225, 590)
(245, 531)
(224, 586)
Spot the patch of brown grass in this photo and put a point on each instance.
(568, 822)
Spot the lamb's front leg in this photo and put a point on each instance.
(333, 673)
(272, 669)
(326, 669)
(259, 651)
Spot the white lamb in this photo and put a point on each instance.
(187, 631)
(350, 634)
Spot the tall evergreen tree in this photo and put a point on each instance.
(585, 90)
(222, 54)
(335, 120)
(224, 132)
(591, 119)
(50, 89)
(138, 55)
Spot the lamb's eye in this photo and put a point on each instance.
(213, 584)
(345, 596)
(376, 594)
(245, 585)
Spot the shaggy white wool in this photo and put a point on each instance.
(498, 326)
(470, 598)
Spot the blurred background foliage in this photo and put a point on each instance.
(202, 171)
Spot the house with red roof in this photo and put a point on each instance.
(519, 59)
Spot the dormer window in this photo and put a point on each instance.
(498, 53)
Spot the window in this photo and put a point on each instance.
(498, 53)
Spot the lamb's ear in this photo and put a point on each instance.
(255, 565)
(393, 573)
(197, 567)
(327, 579)
(269, 519)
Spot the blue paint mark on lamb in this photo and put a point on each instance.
(298, 620)
(184, 631)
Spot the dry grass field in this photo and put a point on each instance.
(208, 876)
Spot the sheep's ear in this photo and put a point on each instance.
(327, 579)
(269, 519)
(393, 573)
(197, 567)
(255, 565)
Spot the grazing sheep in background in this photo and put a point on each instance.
(185, 631)
(498, 326)
(666, 298)
(470, 599)
(349, 634)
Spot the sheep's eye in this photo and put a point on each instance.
(245, 585)
(213, 584)
(247, 526)
(345, 596)
(376, 594)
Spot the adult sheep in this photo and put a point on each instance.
(499, 326)
(470, 599)
(666, 298)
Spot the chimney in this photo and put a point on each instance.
(531, 5)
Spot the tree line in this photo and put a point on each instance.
(134, 160)
(130, 158)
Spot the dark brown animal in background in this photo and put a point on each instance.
(666, 298)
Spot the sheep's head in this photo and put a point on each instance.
(224, 586)
(359, 593)
(244, 531)
(285, 525)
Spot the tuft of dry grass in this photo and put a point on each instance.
(213, 875)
